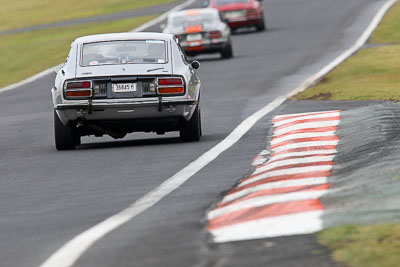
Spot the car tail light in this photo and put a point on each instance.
(170, 86)
(78, 89)
(79, 93)
(170, 81)
(251, 12)
(170, 90)
(215, 34)
(78, 85)
(177, 36)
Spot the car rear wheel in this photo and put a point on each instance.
(261, 25)
(191, 131)
(66, 137)
(227, 52)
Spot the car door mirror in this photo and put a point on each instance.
(195, 64)
(205, 4)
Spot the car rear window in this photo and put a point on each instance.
(227, 2)
(188, 20)
(124, 52)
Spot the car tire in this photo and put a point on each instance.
(66, 137)
(191, 131)
(261, 25)
(227, 52)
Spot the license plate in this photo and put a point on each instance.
(194, 37)
(234, 14)
(123, 87)
(195, 44)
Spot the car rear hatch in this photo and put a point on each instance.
(198, 35)
(123, 81)
(126, 69)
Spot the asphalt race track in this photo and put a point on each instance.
(49, 197)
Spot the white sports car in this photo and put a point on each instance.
(120, 83)
(200, 31)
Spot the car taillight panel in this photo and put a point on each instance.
(79, 93)
(79, 85)
(170, 81)
(170, 90)
(78, 89)
(215, 34)
(170, 86)
(251, 12)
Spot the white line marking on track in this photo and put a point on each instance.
(275, 185)
(296, 170)
(301, 154)
(305, 144)
(306, 125)
(287, 116)
(29, 80)
(346, 54)
(258, 161)
(306, 222)
(326, 116)
(68, 254)
(282, 163)
(277, 140)
(266, 200)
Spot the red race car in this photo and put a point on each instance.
(240, 13)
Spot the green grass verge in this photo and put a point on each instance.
(24, 13)
(31, 52)
(364, 246)
(372, 74)
(388, 29)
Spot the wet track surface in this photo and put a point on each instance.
(48, 197)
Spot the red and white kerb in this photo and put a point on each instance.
(282, 196)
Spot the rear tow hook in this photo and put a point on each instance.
(160, 103)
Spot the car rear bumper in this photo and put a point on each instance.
(206, 46)
(125, 110)
(244, 22)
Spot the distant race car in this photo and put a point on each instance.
(200, 31)
(120, 83)
(240, 13)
